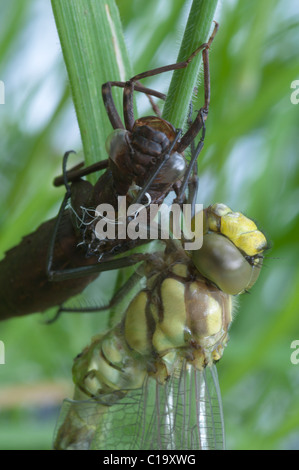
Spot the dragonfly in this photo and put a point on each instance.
(146, 162)
(150, 382)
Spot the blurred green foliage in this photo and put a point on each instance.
(249, 162)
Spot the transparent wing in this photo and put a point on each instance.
(184, 414)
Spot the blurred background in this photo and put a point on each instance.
(249, 162)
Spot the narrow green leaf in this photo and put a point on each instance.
(184, 80)
(94, 52)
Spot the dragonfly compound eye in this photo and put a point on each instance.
(220, 261)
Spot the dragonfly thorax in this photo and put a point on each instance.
(179, 317)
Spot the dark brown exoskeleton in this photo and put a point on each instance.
(145, 162)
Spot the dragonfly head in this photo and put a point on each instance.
(231, 254)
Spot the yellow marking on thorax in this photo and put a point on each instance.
(214, 317)
(180, 270)
(170, 331)
(206, 312)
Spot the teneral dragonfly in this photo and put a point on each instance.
(150, 382)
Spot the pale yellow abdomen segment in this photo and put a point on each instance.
(108, 365)
(136, 328)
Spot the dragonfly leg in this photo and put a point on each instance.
(115, 300)
(193, 180)
(117, 297)
(131, 85)
(152, 177)
(96, 268)
(155, 107)
(192, 169)
(111, 110)
(77, 171)
(60, 213)
(202, 114)
(81, 271)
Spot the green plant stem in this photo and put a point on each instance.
(184, 80)
(94, 52)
